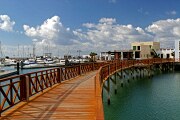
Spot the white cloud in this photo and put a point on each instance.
(88, 25)
(102, 36)
(109, 35)
(5, 23)
(107, 20)
(142, 11)
(112, 1)
(171, 12)
(50, 32)
(165, 31)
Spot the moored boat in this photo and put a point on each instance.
(9, 62)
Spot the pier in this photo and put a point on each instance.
(4, 74)
(69, 92)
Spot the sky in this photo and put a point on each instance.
(67, 26)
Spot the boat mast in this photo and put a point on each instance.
(1, 52)
(18, 51)
(34, 50)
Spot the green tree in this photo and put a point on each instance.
(173, 54)
(92, 54)
(154, 54)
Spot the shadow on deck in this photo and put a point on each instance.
(73, 99)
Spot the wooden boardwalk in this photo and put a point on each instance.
(77, 98)
(71, 100)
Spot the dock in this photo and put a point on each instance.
(66, 93)
(73, 99)
(4, 74)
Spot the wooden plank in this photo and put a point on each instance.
(74, 99)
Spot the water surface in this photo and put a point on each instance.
(146, 99)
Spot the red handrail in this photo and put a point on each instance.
(20, 87)
(105, 71)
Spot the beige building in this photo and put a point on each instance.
(144, 50)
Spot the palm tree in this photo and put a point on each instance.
(154, 54)
(92, 54)
(173, 54)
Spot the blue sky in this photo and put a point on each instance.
(86, 24)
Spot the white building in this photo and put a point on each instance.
(144, 50)
(177, 50)
(86, 56)
(165, 53)
(116, 55)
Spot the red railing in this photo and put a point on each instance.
(19, 88)
(39, 81)
(86, 68)
(10, 92)
(67, 73)
(110, 68)
(105, 71)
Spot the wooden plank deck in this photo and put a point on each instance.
(71, 100)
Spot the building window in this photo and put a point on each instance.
(138, 47)
(134, 47)
(150, 46)
(137, 54)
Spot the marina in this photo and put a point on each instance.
(41, 81)
(8, 73)
(27, 79)
(90, 60)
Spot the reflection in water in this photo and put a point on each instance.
(146, 99)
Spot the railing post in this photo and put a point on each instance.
(115, 91)
(93, 66)
(18, 68)
(27, 88)
(23, 87)
(42, 88)
(79, 69)
(58, 75)
(11, 92)
(61, 74)
(108, 82)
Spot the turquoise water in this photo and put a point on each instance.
(157, 98)
(23, 71)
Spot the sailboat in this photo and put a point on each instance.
(9, 62)
(1, 63)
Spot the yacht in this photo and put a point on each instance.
(74, 60)
(1, 64)
(49, 61)
(40, 60)
(9, 62)
(61, 62)
(29, 61)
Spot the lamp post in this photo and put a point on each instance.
(79, 55)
